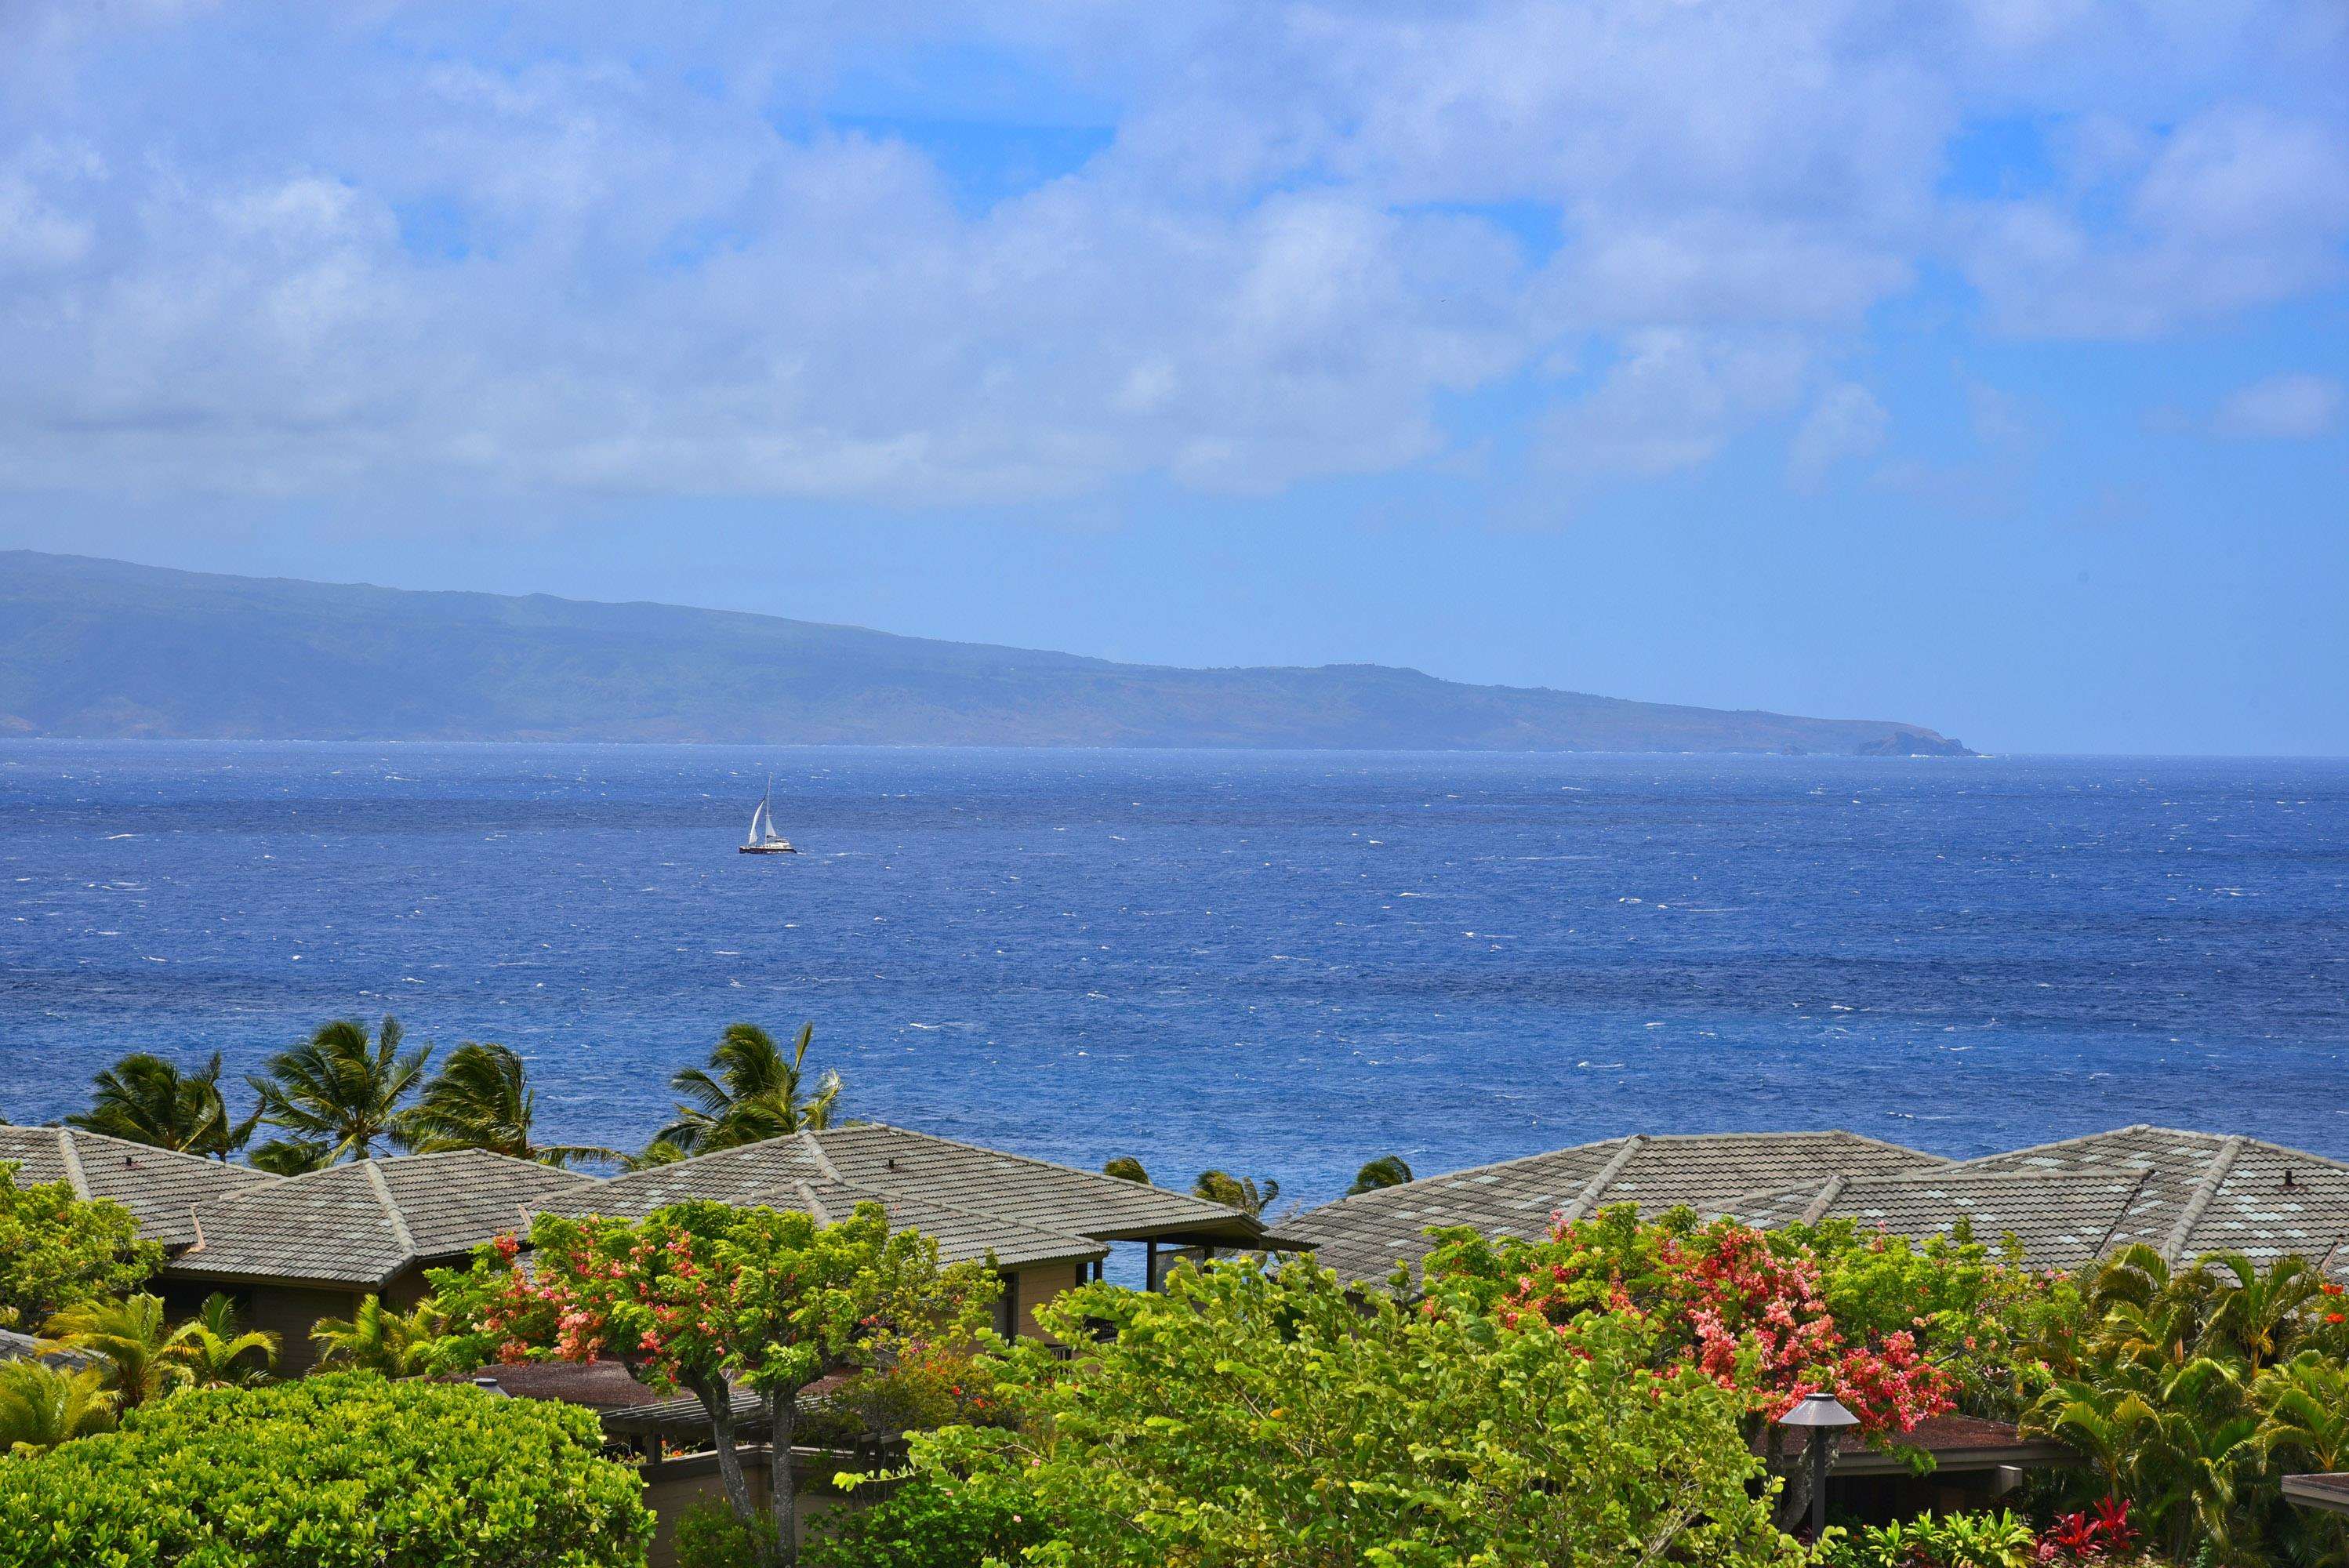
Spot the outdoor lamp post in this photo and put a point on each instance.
(1825, 1415)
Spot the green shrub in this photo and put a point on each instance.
(57, 1251)
(928, 1522)
(343, 1470)
(709, 1536)
(1953, 1541)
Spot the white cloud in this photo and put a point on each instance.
(301, 249)
(1845, 422)
(2234, 209)
(1673, 401)
(2281, 408)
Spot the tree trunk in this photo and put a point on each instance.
(718, 1401)
(783, 1499)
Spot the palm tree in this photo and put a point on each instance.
(1386, 1170)
(129, 1341)
(1126, 1168)
(41, 1406)
(375, 1339)
(481, 1098)
(340, 1091)
(145, 1100)
(213, 1349)
(289, 1157)
(660, 1151)
(759, 1096)
(1244, 1193)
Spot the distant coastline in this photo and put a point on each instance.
(94, 649)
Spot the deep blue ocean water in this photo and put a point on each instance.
(1280, 963)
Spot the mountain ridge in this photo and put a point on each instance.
(106, 649)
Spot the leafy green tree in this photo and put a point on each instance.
(144, 1098)
(331, 1472)
(1244, 1193)
(1126, 1168)
(382, 1340)
(41, 1406)
(339, 1092)
(132, 1346)
(1386, 1170)
(214, 1350)
(56, 1250)
(756, 1093)
(709, 1298)
(481, 1098)
(1269, 1417)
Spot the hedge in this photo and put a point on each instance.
(345, 1470)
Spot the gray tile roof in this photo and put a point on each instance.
(975, 1202)
(899, 1163)
(2061, 1219)
(158, 1187)
(360, 1223)
(1365, 1236)
(2203, 1191)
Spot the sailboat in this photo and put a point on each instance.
(763, 839)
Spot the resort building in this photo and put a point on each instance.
(159, 1188)
(1365, 1237)
(299, 1249)
(1045, 1227)
(2066, 1204)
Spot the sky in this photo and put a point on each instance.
(1982, 364)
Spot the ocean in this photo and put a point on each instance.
(1282, 965)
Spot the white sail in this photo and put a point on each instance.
(758, 814)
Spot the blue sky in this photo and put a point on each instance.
(1980, 362)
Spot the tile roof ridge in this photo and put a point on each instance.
(2073, 1142)
(822, 1215)
(382, 1190)
(2214, 1176)
(814, 1144)
(1490, 1165)
(2250, 1143)
(1829, 1191)
(1596, 1188)
(1119, 1181)
(70, 1157)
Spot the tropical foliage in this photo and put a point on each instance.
(2193, 1391)
(213, 1349)
(129, 1340)
(709, 1298)
(1264, 1417)
(144, 1098)
(1126, 1168)
(339, 1093)
(481, 1098)
(57, 1251)
(752, 1091)
(1748, 1312)
(381, 1339)
(1386, 1170)
(1246, 1193)
(344, 1469)
(42, 1406)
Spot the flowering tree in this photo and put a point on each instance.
(1722, 1298)
(1266, 1417)
(709, 1298)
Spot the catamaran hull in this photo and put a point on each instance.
(764, 850)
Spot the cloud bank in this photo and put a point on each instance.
(860, 254)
